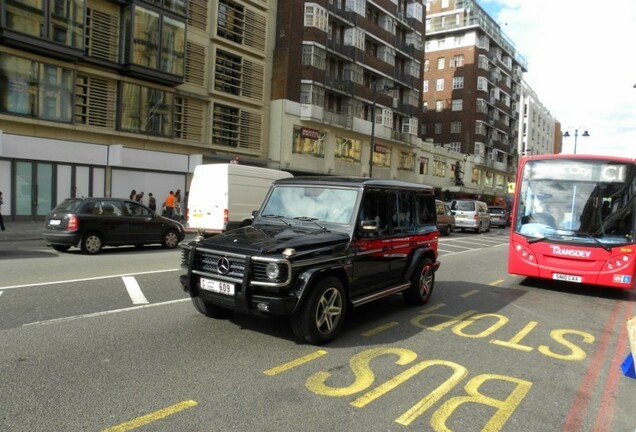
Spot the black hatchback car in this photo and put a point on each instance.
(92, 223)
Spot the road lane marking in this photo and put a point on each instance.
(469, 293)
(108, 312)
(134, 290)
(497, 282)
(294, 363)
(87, 279)
(152, 417)
(380, 329)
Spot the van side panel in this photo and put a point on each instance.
(232, 188)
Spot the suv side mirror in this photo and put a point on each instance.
(371, 225)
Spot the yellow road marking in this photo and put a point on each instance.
(292, 364)
(379, 329)
(152, 417)
(497, 282)
(469, 293)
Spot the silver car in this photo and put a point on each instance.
(471, 214)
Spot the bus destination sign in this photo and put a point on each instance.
(576, 171)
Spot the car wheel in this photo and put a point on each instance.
(320, 318)
(422, 284)
(210, 310)
(170, 239)
(61, 248)
(92, 243)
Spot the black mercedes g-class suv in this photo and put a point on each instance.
(316, 247)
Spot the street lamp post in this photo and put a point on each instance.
(576, 135)
(372, 141)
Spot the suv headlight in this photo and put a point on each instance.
(272, 270)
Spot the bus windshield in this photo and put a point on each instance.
(576, 200)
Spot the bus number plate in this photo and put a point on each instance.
(568, 278)
(217, 286)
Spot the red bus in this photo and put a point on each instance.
(573, 220)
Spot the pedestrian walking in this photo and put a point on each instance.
(139, 197)
(133, 194)
(152, 202)
(1, 220)
(169, 205)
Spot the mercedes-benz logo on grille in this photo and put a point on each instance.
(223, 265)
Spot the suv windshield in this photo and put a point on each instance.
(584, 210)
(331, 205)
(463, 206)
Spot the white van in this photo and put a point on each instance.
(223, 196)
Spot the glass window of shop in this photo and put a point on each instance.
(304, 143)
(489, 180)
(35, 89)
(424, 166)
(57, 21)
(407, 161)
(348, 149)
(476, 177)
(382, 156)
(439, 168)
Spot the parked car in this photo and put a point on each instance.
(471, 214)
(92, 223)
(499, 217)
(318, 247)
(445, 218)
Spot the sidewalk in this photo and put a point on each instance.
(16, 231)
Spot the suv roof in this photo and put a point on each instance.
(352, 182)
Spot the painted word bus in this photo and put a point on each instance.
(573, 220)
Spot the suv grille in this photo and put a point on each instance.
(207, 261)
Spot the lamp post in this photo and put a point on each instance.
(576, 135)
(372, 141)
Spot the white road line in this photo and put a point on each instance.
(134, 290)
(108, 312)
(86, 279)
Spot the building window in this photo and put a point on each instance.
(455, 146)
(348, 149)
(316, 16)
(308, 144)
(406, 162)
(233, 127)
(382, 156)
(61, 22)
(439, 105)
(158, 42)
(441, 63)
(36, 89)
(146, 110)
(458, 83)
(312, 95)
(439, 168)
(230, 21)
(482, 84)
(425, 86)
(438, 128)
(439, 84)
(476, 177)
(458, 60)
(426, 65)
(456, 127)
(457, 104)
(227, 73)
(314, 56)
(424, 166)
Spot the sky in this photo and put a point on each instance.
(581, 65)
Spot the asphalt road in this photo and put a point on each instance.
(110, 342)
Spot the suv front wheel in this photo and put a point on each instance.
(320, 318)
(422, 284)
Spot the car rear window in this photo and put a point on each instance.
(496, 210)
(69, 205)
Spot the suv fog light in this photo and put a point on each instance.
(262, 307)
(272, 270)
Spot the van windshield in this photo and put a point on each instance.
(331, 205)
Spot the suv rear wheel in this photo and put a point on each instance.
(422, 284)
(320, 318)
